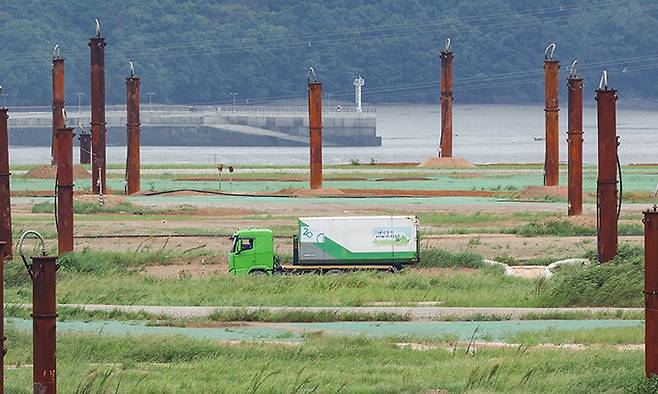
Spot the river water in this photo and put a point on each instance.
(410, 133)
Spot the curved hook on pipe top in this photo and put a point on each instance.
(56, 51)
(446, 48)
(132, 69)
(64, 116)
(572, 69)
(655, 198)
(98, 27)
(311, 75)
(24, 235)
(548, 53)
(603, 84)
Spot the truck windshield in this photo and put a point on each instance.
(235, 244)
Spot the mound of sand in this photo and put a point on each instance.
(50, 172)
(447, 163)
(541, 192)
(317, 193)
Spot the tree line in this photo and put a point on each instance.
(258, 51)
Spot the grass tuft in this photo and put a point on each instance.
(432, 257)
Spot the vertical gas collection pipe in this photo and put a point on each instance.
(97, 45)
(5, 196)
(132, 125)
(607, 177)
(445, 149)
(315, 125)
(2, 317)
(58, 101)
(44, 313)
(85, 148)
(575, 145)
(65, 190)
(552, 159)
(651, 292)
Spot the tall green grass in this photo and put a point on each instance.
(163, 364)
(433, 257)
(565, 228)
(619, 282)
(109, 283)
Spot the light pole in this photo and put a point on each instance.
(5, 97)
(80, 94)
(150, 94)
(235, 96)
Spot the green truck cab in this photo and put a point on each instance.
(252, 252)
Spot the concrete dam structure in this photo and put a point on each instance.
(207, 126)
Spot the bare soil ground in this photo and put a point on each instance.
(539, 192)
(49, 172)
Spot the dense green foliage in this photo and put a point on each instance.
(619, 282)
(197, 51)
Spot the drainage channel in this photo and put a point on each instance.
(497, 331)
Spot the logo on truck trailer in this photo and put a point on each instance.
(310, 235)
(387, 236)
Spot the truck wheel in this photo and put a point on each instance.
(258, 273)
(334, 272)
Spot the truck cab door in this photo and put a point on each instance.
(245, 256)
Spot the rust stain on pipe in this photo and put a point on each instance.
(446, 104)
(98, 126)
(65, 190)
(552, 158)
(44, 313)
(575, 146)
(132, 126)
(651, 292)
(85, 148)
(5, 192)
(58, 103)
(607, 175)
(315, 125)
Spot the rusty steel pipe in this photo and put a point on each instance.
(606, 189)
(85, 148)
(2, 317)
(575, 146)
(315, 126)
(445, 149)
(551, 110)
(44, 314)
(132, 126)
(5, 194)
(98, 125)
(65, 190)
(58, 103)
(650, 292)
